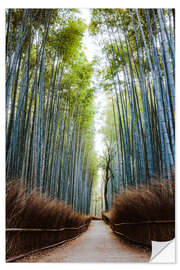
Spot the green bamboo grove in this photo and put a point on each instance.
(49, 105)
(50, 130)
(139, 52)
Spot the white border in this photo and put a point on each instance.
(75, 4)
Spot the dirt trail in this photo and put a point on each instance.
(97, 244)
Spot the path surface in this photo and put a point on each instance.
(97, 244)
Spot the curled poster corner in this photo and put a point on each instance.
(163, 252)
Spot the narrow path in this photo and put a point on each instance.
(97, 244)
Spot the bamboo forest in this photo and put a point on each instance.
(90, 129)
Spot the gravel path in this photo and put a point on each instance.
(97, 244)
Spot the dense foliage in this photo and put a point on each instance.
(50, 101)
(139, 47)
(49, 105)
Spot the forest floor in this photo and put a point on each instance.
(97, 244)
